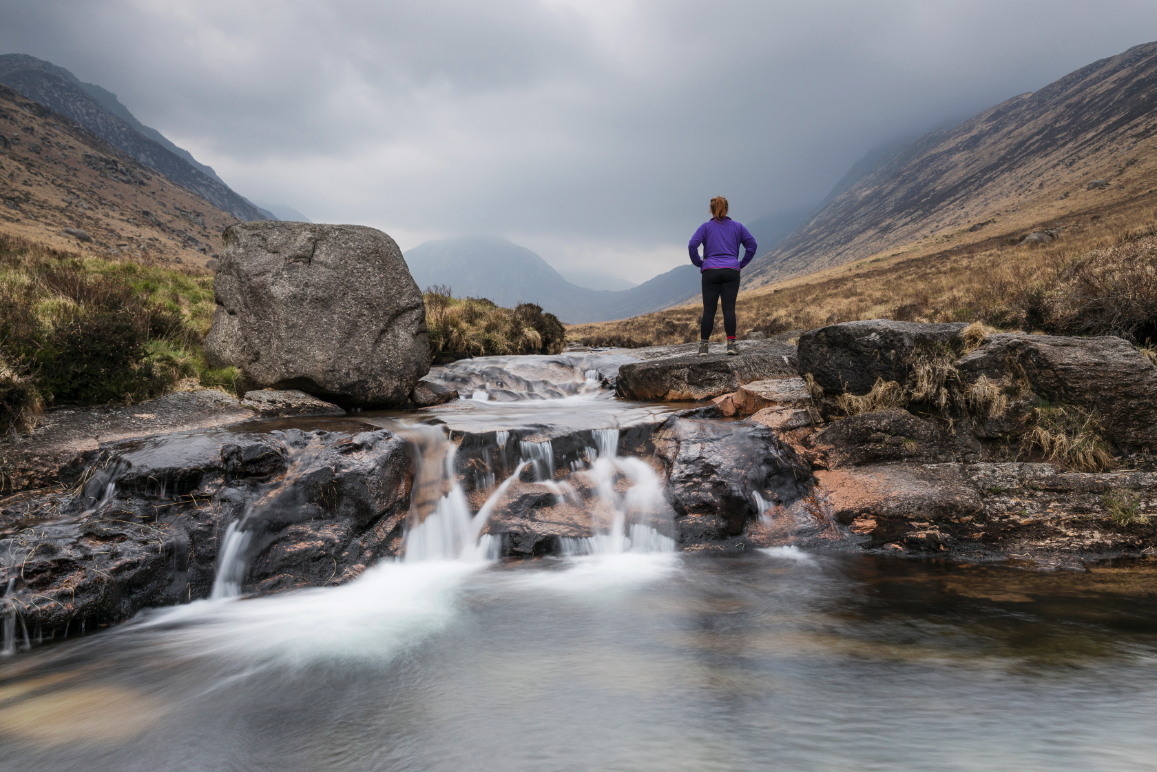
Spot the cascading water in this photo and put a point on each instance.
(442, 527)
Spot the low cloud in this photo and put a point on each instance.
(593, 131)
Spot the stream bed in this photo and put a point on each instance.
(619, 653)
(662, 661)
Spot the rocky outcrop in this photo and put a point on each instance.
(327, 309)
(1105, 375)
(146, 526)
(720, 476)
(852, 356)
(681, 375)
(777, 403)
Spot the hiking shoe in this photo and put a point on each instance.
(732, 349)
(702, 349)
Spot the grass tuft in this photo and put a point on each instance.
(468, 327)
(1068, 436)
(1123, 506)
(884, 395)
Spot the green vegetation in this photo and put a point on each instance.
(1124, 506)
(465, 327)
(87, 330)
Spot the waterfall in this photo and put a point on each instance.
(231, 562)
(541, 454)
(634, 511)
(442, 527)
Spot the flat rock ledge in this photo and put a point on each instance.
(271, 403)
(678, 374)
(36, 459)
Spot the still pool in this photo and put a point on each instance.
(771, 660)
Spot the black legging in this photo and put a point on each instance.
(717, 283)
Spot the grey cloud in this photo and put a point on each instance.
(597, 127)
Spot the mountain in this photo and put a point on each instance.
(770, 231)
(100, 112)
(283, 212)
(597, 281)
(508, 274)
(57, 176)
(1042, 155)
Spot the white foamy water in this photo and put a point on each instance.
(390, 607)
(231, 563)
(789, 552)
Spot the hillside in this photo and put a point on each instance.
(99, 111)
(55, 174)
(1028, 160)
(508, 274)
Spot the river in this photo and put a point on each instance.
(624, 655)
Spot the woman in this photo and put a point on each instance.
(720, 267)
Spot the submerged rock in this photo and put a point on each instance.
(270, 403)
(429, 393)
(328, 309)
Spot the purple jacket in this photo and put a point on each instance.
(721, 240)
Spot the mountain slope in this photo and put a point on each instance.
(55, 174)
(59, 90)
(1032, 156)
(597, 281)
(283, 212)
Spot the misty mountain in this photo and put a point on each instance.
(494, 268)
(283, 212)
(1030, 151)
(99, 111)
(597, 281)
(769, 231)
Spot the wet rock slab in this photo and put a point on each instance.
(38, 459)
(992, 511)
(676, 373)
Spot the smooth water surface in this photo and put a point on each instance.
(664, 661)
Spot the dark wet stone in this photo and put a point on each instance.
(852, 356)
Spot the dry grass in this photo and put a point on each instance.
(465, 327)
(1068, 436)
(985, 398)
(1102, 265)
(77, 329)
(884, 395)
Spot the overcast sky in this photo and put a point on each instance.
(592, 131)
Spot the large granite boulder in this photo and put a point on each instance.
(1107, 375)
(330, 310)
(681, 376)
(852, 356)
